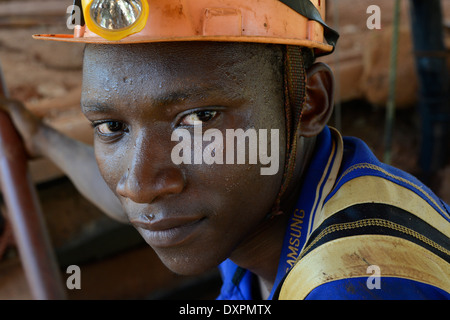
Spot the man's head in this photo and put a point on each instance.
(194, 216)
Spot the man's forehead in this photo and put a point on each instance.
(210, 52)
(182, 61)
(167, 73)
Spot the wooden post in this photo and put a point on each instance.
(434, 100)
(24, 213)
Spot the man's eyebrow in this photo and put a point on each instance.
(162, 100)
(178, 96)
(88, 106)
(171, 98)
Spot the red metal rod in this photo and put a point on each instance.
(25, 215)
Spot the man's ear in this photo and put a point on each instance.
(319, 100)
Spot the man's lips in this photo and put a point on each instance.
(164, 223)
(167, 232)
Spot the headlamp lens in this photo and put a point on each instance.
(115, 15)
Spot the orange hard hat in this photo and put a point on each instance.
(290, 22)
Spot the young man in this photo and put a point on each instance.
(331, 223)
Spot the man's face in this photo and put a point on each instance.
(193, 215)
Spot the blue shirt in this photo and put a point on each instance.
(338, 170)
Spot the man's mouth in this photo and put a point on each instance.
(168, 232)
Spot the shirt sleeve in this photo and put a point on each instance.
(388, 288)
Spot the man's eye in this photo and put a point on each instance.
(198, 116)
(110, 127)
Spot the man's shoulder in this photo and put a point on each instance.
(372, 251)
(362, 178)
(376, 220)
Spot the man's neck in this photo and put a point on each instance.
(260, 252)
(305, 152)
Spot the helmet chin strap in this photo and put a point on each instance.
(307, 9)
(294, 100)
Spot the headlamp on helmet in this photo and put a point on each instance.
(287, 22)
(115, 19)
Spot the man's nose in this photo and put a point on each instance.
(150, 174)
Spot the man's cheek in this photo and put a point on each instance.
(110, 171)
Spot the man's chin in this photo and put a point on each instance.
(188, 262)
(188, 267)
